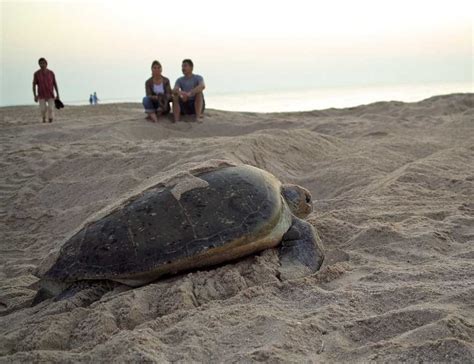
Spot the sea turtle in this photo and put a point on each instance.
(217, 216)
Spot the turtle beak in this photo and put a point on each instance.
(308, 203)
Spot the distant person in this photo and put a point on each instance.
(158, 93)
(95, 99)
(45, 81)
(188, 97)
(91, 99)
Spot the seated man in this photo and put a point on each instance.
(188, 98)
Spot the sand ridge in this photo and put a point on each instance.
(393, 189)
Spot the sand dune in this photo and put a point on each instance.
(393, 188)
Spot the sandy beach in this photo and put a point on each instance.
(393, 191)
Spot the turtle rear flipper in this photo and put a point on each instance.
(82, 293)
(48, 288)
(300, 251)
(42, 295)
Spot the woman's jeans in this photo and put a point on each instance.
(151, 105)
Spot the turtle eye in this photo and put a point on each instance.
(308, 199)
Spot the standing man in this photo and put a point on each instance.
(45, 81)
(188, 98)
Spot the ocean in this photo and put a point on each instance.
(313, 99)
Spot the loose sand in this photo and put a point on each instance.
(393, 188)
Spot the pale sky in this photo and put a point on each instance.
(237, 46)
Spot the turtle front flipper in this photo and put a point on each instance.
(301, 252)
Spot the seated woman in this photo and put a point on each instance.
(158, 93)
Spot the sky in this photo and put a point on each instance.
(238, 46)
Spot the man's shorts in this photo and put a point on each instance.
(187, 108)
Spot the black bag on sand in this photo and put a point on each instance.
(58, 103)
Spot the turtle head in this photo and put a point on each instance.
(298, 199)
